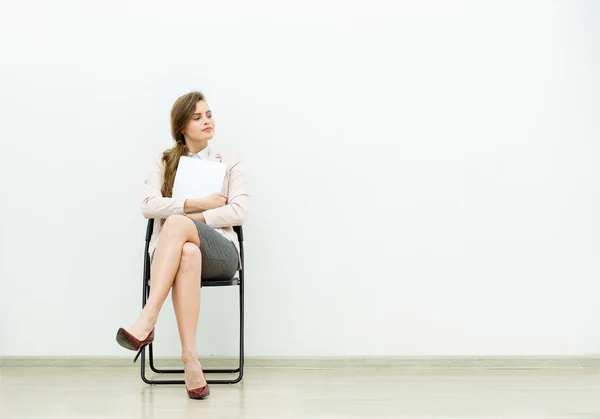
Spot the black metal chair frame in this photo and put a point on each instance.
(238, 280)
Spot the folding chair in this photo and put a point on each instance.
(238, 280)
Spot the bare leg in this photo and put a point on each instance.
(186, 302)
(176, 232)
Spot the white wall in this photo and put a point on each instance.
(424, 175)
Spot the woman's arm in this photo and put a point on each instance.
(154, 205)
(234, 213)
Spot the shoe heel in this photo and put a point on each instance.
(127, 340)
(139, 353)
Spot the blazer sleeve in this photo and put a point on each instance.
(234, 213)
(154, 205)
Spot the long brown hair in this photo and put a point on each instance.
(182, 110)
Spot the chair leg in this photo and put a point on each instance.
(153, 382)
(145, 293)
(239, 370)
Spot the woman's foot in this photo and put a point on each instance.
(142, 327)
(194, 377)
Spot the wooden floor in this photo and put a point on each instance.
(294, 393)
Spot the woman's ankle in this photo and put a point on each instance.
(189, 357)
(142, 326)
(148, 317)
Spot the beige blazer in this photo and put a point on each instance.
(154, 205)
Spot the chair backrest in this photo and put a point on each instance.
(149, 229)
(239, 232)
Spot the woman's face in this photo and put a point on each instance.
(201, 126)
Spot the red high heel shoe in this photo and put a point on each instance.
(127, 340)
(198, 393)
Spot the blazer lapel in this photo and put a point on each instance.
(216, 156)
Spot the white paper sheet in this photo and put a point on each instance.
(197, 178)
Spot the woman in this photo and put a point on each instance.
(197, 240)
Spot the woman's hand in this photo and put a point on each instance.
(216, 200)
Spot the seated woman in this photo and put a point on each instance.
(193, 239)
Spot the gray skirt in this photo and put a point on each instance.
(219, 255)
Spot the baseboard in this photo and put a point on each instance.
(534, 362)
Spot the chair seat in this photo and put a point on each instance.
(220, 282)
(217, 282)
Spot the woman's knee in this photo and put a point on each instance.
(177, 225)
(191, 258)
